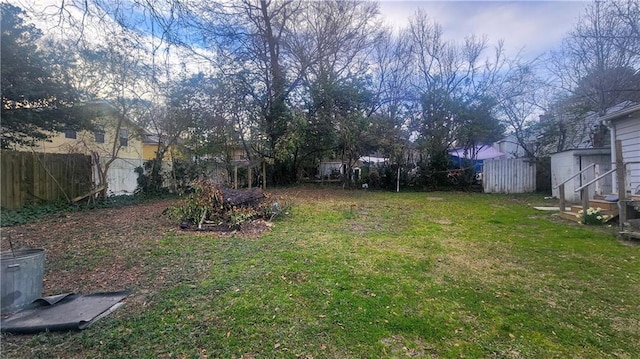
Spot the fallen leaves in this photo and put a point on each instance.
(94, 251)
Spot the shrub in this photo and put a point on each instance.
(155, 179)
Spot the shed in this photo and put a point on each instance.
(567, 163)
(328, 170)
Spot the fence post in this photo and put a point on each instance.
(235, 176)
(563, 203)
(264, 175)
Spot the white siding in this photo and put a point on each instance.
(568, 163)
(327, 168)
(514, 175)
(564, 165)
(121, 176)
(628, 131)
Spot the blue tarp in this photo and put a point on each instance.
(474, 156)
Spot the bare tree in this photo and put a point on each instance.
(459, 69)
(341, 35)
(111, 62)
(449, 77)
(629, 12)
(392, 69)
(522, 97)
(596, 57)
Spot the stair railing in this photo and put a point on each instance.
(584, 194)
(619, 167)
(622, 198)
(560, 187)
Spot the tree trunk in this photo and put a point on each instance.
(249, 197)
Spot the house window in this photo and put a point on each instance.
(99, 134)
(69, 133)
(124, 137)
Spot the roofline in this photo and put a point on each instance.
(587, 151)
(114, 110)
(621, 113)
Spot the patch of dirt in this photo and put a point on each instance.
(105, 249)
(92, 251)
(442, 221)
(251, 229)
(397, 346)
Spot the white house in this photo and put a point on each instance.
(510, 146)
(579, 166)
(624, 126)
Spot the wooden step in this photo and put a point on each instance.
(575, 209)
(613, 212)
(570, 216)
(605, 205)
(630, 234)
(574, 215)
(608, 208)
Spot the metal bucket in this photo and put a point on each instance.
(21, 276)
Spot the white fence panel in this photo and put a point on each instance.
(121, 176)
(512, 175)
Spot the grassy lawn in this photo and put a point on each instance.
(355, 274)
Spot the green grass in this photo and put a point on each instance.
(371, 274)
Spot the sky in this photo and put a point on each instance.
(528, 28)
(531, 27)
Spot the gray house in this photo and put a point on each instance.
(624, 126)
(580, 166)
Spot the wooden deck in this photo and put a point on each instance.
(608, 208)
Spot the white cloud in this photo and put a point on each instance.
(64, 24)
(536, 26)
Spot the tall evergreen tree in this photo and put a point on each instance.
(34, 101)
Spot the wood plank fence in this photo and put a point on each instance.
(512, 175)
(29, 178)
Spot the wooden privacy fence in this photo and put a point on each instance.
(27, 177)
(512, 175)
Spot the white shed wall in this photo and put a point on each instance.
(563, 166)
(568, 163)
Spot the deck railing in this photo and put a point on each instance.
(560, 187)
(584, 189)
(619, 167)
